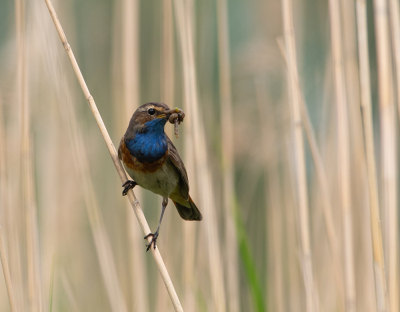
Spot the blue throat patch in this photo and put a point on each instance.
(151, 144)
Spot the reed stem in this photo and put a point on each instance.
(394, 215)
(388, 149)
(343, 154)
(365, 89)
(131, 196)
(227, 141)
(203, 170)
(300, 165)
(6, 272)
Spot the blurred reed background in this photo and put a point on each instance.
(290, 142)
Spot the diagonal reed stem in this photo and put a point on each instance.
(7, 276)
(131, 196)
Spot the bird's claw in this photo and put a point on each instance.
(127, 186)
(153, 240)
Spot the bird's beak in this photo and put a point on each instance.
(163, 116)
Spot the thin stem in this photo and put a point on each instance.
(388, 148)
(6, 272)
(322, 179)
(130, 89)
(131, 196)
(203, 170)
(365, 86)
(300, 167)
(343, 154)
(393, 212)
(231, 241)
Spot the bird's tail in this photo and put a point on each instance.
(189, 212)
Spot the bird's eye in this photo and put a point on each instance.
(151, 111)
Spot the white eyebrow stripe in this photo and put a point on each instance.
(157, 108)
(144, 109)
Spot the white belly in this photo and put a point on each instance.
(162, 182)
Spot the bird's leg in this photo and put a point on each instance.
(155, 234)
(127, 186)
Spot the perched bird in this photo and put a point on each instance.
(153, 162)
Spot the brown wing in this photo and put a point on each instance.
(178, 163)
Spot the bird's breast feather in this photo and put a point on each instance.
(133, 163)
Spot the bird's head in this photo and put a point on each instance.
(150, 117)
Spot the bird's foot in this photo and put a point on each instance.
(127, 186)
(153, 240)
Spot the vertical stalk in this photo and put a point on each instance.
(17, 215)
(274, 215)
(395, 36)
(131, 100)
(167, 55)
(322, 179)
(26, 179)
(343, 155)
(388, 148)
(231, 242)
(4, 211)
(365, 86)
(203, 170)
(35, 285)
(394, 226)
(6, 271)
(300, 165)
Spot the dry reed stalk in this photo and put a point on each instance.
(322, 179)
(274, 218)
(168, 75)
(32, 231)
(15, 224)
(131, 196)
(167, 56)
(80, 159)
(78, 151)
(131, 100)
(382, 303)
(295, 281)
(203, 171)
(27, 176)
(394, 224)
(189, 233)
(189, 239)
(363, 258)
(34, 261)
(6, 272)
(225, 96)
(388, 148)
(395, 36)
(167, 59)
(130, 57)
(4, 210)
(343, 155)
(101, 240)
(26, 180)
(300, 166)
